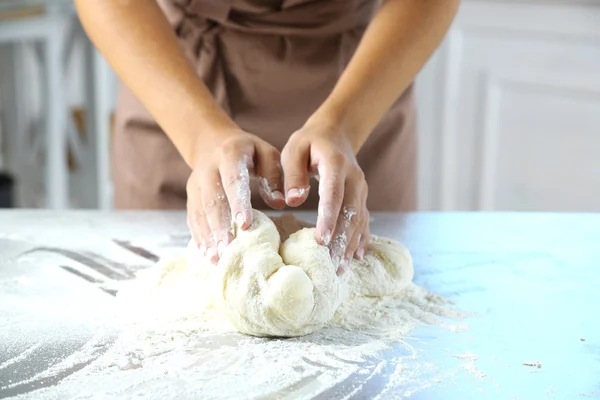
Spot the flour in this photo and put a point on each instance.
(199, 356)
(340, 241)
(44, 351)
(181, 362)
(396, 317)
(198, 346)
(333, 363)
(198, 353)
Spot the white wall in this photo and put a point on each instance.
(510, 109)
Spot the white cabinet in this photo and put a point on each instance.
(510, 109)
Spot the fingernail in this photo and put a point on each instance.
(340, 271)
(239, 219)
(295, 192)
(326, 237)
(212, 255)
(220, 248)
(277, 195)
(360, 253)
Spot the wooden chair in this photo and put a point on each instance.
(50, 29)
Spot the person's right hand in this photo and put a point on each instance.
(218, 188)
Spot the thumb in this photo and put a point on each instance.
(270, 176)
(295, 162)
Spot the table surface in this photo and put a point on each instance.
(532, 279)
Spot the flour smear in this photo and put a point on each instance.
(365, 349)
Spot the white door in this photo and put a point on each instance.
(510, 109)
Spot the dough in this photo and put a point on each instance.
(266, 287)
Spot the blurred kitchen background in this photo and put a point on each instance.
(509, 109)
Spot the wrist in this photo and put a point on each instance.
(206, 134)
(341, 124)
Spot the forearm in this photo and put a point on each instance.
(138, 42)
(401, 37)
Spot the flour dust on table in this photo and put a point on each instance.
(181, 322)
(178, 334)
(275, 280)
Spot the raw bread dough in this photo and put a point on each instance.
(266, 287)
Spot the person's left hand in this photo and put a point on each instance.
(343, 220)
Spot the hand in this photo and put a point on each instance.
(343, 219)
(219, 187)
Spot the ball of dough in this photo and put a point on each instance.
(289, 295)
(386, 269)
(302, 249)
(268, 288)
(258, 306)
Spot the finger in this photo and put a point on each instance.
(199, 229)
(346, 228)
(218, 215)
(235, 175)
(295, 163)
(359, 197)
(352, 247)
(196, 218)
(195, 231)
(353, 211)
(192, 224)
(331, 195)
(363, 242)
(357, 238)
(270, 176)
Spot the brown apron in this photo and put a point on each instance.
(269, 64)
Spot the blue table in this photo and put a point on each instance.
(532, 279)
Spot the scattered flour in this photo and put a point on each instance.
(364, 349)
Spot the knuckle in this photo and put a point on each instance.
(209, 205)
(294, 178)
(192, 183)
(227, 150)
(337, 158)
(274, 178)
(199, 215)
(327, 216)
(230, 180)
(274, 175)
(334, 181)
(274, 154)
(293, 145)
(358, 174)
(355, 221)
(336, 196)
